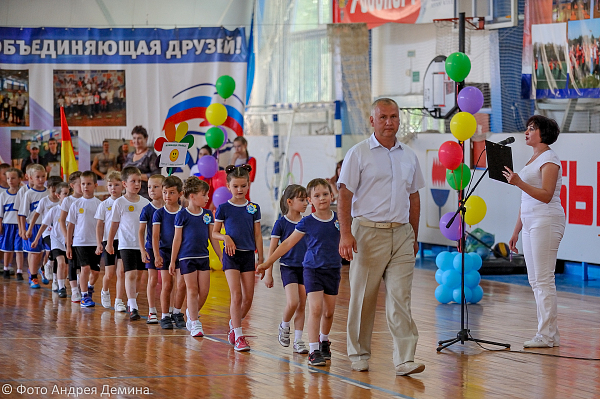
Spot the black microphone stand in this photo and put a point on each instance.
(464, 334)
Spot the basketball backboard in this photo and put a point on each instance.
(439, 91)
(497, 13)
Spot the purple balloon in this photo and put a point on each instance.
(207, 166)
(453, 232)
(225, 135)
(470, 99)
(221, 195)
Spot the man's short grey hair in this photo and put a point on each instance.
(383, 101)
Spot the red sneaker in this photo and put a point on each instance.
(241, 345)
(231, 337)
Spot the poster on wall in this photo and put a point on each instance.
(550, 59)
(110, 80)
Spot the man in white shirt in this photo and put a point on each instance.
(378, 187)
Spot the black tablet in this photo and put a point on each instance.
(498, 156)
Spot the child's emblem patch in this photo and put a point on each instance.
(251, 208)
(206, 218)
(337, 224)
(80, 210)
(131, 208)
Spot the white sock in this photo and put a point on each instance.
(313, 346)
(132, 303)
(49, 263)
(61, 284)
(166, 315)
(117, 300)
(136, 294)
(20, 271)
(297, 335)
(54, 276)
(230, 325)
(238, 332)
(170, 309)
(5, 267)
(152, 310)
(90, 286)
(84, 293)
(106, 292)
(285, 324)
(176, 311)
(324, 337)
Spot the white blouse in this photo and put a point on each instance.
(532, 175)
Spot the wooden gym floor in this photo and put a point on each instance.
(49, 343)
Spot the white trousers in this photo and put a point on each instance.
(386, 254)
(541, 238)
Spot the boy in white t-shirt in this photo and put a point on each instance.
(10, 241)
(126, 220)
(57, 240)
(75, 184)
(44, 207)
(81, 233)
(114, 185)
(30, 202)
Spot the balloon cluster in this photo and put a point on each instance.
(448, 276)
(216, 138)
(463, 125)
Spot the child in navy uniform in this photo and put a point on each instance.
(322, 266)
(190, 246)
(155, 194)
(163, 232)
(10, 241)
(243, 236)
(293, 203)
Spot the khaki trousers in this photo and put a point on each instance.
(387, 254)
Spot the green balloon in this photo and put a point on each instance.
(458, 66)
(225, 86)
(188, 139)
(458, 178)
(215, 137)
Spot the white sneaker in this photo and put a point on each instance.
(196, 329)
(120, 307)
(188, 323)
(537, 342)
(284, 336)
(152, 319)
(300, 347)
(75, 295)
(48, 271)
(105, 299)
(54, 286)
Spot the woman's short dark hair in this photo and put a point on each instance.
(139, 129)
(549, 129)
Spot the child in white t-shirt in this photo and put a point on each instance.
(126, 220)
(81, 233)
(103, 215)
(57, 240)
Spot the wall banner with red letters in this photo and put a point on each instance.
(378, 12)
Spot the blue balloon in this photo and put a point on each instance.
(472, 279)
(438, 276)
(457, 263)
(457, 297)
(476, 294)
(451, 279)
(477, 261)
(444, 260)
(443, 294)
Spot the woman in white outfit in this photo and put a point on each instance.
(542, 221)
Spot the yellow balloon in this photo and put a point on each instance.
(216, 114)
(475, 210)
(463, 125)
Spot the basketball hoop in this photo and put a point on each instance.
(471, 23)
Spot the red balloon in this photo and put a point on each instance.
(450, 154)
(219, 179)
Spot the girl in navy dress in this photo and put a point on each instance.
(243, 236)
(293, 203)
(322, 265)
(193, 226)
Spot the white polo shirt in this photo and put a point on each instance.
(381, 180)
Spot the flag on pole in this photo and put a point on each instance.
(68, 163)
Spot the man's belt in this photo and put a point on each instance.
(380, 225)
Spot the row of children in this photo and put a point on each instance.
(135, 235)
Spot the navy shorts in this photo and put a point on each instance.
(291, 274)
(242, 260)
(187, 266)
(27, 243)
(319, 279)
(58, 252)
(165, 255)
(111, 260)
(10, 241)
(132, 259)
(86, 256)
(46, 241)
